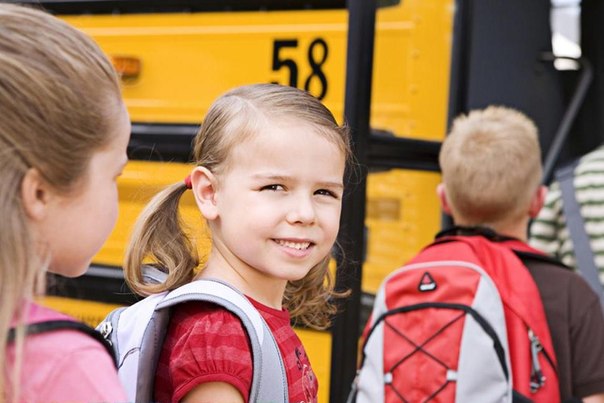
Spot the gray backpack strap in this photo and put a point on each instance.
(585, 260)
(153, 275)
(269, 383)
(151, 348)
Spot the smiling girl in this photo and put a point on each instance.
(269, 183)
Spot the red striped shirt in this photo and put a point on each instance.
(206, 343)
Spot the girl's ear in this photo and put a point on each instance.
(204, 186)
(35, 194)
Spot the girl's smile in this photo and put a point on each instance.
(295, 249)
(294, 244)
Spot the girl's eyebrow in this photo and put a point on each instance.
(270, 176)
(331, 185)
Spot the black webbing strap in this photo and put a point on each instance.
(53, 325)
(584, 255)
(485, 232)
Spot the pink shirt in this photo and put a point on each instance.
(65, 366)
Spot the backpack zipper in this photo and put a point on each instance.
(537, 377)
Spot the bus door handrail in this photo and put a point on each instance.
(570, 114)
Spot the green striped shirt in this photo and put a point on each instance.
(548, 231)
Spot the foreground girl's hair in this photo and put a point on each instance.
(239, 114)
(56, 87)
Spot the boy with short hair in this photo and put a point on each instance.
(491, 171)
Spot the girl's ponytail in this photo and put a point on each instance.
(158, 239)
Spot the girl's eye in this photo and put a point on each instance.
(272, 187)
(325, 192)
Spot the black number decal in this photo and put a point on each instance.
(317, 56)
(316, 66)
(289, 63)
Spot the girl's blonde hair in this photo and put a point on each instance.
(491, 165)
(58, 93)
(237, 115)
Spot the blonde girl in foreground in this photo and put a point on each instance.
(269, 183)
(63, 137)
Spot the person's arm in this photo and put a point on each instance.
(546, 227)
(599, 398)
(210, 356)
(586, 335)
(213, 392)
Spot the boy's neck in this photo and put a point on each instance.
(518, 231)
(514, 228)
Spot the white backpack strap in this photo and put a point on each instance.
(136, 338)
(269, 383)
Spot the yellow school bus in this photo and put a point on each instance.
(432, 60)
(177, 57)
(178, 62)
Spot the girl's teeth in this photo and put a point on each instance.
(294, 245)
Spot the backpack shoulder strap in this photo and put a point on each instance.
(64, 324)
(269, 380)
(524, 251)
(529, 257)
(136, 334)
(584, 255)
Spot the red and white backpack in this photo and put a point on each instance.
(462, 322)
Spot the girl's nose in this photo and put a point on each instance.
(301, 211)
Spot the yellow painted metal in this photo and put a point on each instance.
(188, 59)
(89, 312)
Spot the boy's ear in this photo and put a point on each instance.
(204, 188)
(537, 201)
(35, 194)
(441, 191)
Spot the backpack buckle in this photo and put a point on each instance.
(105, 330)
